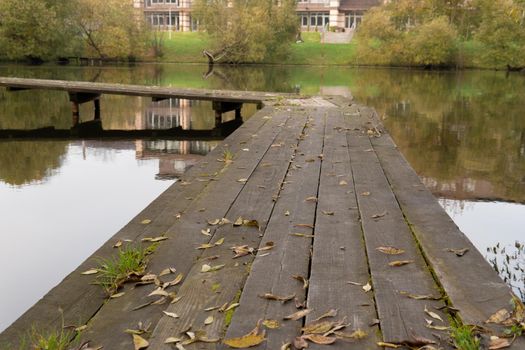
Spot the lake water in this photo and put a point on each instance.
(463, 132)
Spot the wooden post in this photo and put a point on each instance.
(76, 113)
(218, 118)
(96, 102)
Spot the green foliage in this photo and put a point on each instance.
(434, 43)
(115, 271)
(489, 33)
(248, 30)
(464, 337)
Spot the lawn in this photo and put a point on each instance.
(188, 47)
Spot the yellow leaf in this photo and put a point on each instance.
(220, 241)
(90, 272)
(499, 317)
(388, 345)
(205, 246)
(172, 340)
(146, 222)
(118, 244)
(320, 339)
(139, 342)
(253, 338)
(118, 295)
(271, 324)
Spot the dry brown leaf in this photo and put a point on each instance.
(303, 280)
(118, 295)
(499, 343)
(254, 338)
(304, 225)
(330, 313)
(282, 299)
(319, 327)
(118, 244)
(311, 199)
(300, 343)
(286, 346)
(328, 213)
(366, 194)
(172, 340)
(267, 246)
(139, 342)
(390, 250)
(304, 235)
(420, 297)
(357, 334)
(158, 291)
(176, 281)
(400, 263)
(319, 339)
(298, 315)
(205, 246)
(433, 314)
(378, 216)
(499, 317)
(242, 250)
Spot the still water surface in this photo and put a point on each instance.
(463, 132)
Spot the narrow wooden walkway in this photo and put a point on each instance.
(344, 224)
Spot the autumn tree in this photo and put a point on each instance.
(110, 28)
(434, 43)
(36, 29)
(247, 30)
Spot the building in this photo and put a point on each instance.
(314, 15)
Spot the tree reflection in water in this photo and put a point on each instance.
(509, 262)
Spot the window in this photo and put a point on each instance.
(353, 19)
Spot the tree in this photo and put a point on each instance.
(434, 43)
(35, 29)
(247, 30)
(110, 28)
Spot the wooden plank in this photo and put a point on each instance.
(80, 300)
(339, 254)
(470, 283)
(255, 202)
(291, 255)
(184, 237)
(139, 90)
(402, 318)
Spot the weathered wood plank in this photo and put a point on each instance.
(470, 283)
(291, 255)
(213, 202)
(339, 254)
(402, 318)
(139, 90)
(255, 202)
(74, 295)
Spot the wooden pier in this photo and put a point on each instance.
(324, 214)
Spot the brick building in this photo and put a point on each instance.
(314, 15)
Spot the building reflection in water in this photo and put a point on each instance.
(167, 114)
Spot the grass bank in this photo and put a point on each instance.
(188, 47)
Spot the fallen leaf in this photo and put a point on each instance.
(154, 239)
(303, 280)
(302, 235)
(271, 324)
(81, 328)
(287, 213)
(172, 340)
(328, 213)
(209, 320)
(282, 299)
(499, 317)
(206, 232)
(357, 334)
(167, 271)
(146, 222)
(159, 291)
(176, 281)
(499, 343)
(420, 297)
(205, 246)
(388, 345)
(254, 338)
(139, 342)
(366, 194)
(367, 287)
(400, 263)
(458, 252)
(355, 283)
(318, 327)
(219, 242)
(331, 313)
(267, 246)
(390, 250)
(242, 250)
(300, 343)
(433, 314)
(343, 183)
(298, 315)
(242, 180)
(118, 295)
(90, 272)
(231, 307)
(209, 268)
(170, 314)
(118, 244)
(286, 346)
(377, 216)
(311, 199)
(319, 339)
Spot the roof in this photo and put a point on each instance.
(358, 4)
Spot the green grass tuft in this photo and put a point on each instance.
(130, 263)
(464, 337)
